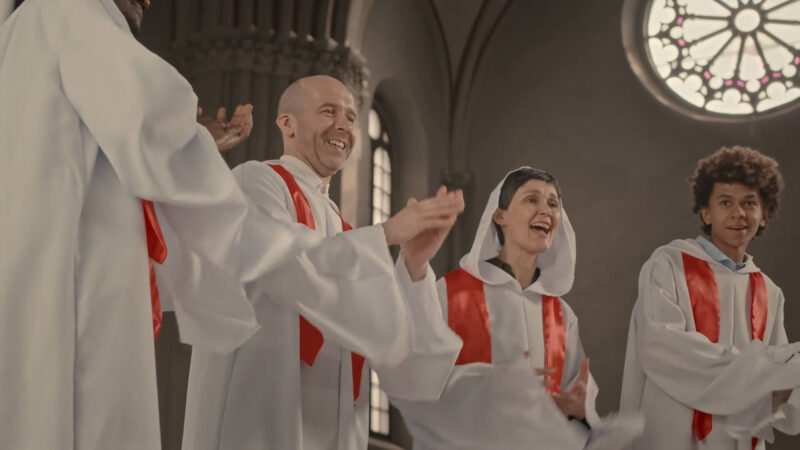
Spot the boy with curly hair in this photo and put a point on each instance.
(708, 362)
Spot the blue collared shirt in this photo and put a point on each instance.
(717, 254)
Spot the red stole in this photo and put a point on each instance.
(704, 297)
(311, 338)
(156, 251)
(468, 316)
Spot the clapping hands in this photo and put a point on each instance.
(228, 134)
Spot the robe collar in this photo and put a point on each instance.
(717, 254)
(692, 247)
(499, 263)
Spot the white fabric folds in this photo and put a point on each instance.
(671, 369)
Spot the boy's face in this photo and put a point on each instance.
(735, 213)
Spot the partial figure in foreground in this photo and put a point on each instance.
(708, 361)
(504, 302)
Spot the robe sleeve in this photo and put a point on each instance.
(787, 418)
(435, 347)
(346, 287)
(685, 364)
(572, 365)
(141, 113)
(761, 419)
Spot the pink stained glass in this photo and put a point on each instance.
(704, 35)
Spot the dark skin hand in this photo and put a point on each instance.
(228, 134)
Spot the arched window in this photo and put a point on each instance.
(381, 169)
(724, 58)
(381, 211)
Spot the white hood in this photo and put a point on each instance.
(557, 264)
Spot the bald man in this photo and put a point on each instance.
(304, 384)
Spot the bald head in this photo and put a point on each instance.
(317, 116)
(306, 89)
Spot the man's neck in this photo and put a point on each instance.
(523, 264)
(307, 163)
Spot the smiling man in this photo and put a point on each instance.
(294, 386)
(708, 360)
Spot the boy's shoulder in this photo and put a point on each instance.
(677, 248)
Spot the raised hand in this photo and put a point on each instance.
(438, 212)
(418, 250)
(573, 402)
(228, 134)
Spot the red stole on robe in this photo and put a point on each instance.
(311, 338)
(468, 316)
(156, 251)
(704, 297)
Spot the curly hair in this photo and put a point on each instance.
(738, 165)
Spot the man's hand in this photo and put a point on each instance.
(779, 398)
(228, 134)
(432, 213)
(572, 403)
(421, 248)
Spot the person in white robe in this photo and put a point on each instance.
(267, 394)
(93, 126)
(708, 361)
(505, 303)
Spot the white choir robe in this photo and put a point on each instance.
(92, 123)
(503, 405)
(671, 369)
(263, 396)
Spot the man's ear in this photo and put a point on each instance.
(286, 123)
(764, 219)
(499, 216)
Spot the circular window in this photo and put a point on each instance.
(716, 58)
